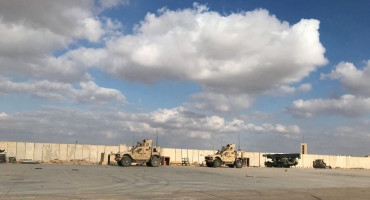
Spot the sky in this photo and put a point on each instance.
(199, 74)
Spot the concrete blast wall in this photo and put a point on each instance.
(45, 152)
(256, 159)
(345, 162)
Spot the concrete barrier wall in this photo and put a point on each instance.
(30, 149)
(46, 152)
(21, 150)
(345, 162)
(194, 155)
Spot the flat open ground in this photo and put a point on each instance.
(36, 181)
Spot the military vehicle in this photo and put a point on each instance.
(282, 160)
(143, 153)
(227, 156)
(319, 163)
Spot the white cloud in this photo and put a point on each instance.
(240, 125)
(347, 105)
(88, 92)
(173, 125)
(113, 3)
(257, 116)
(72, 19)
(3, 115)
(355, 80)
(283, 90)
(219, 103)
(239, 53)
(32, 32)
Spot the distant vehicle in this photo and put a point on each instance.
(143, 153)
(227, 156)
(282, 160)
(319, 163)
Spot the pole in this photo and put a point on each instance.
(239, 143)
(156, 139)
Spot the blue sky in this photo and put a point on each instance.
(272, 72)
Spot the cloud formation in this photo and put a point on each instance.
(354, 80)
(356, 104)
(88, 93)
(247, 52)
(347, 105)
(171, 124)
(286, 89)
(32, 32)
(219, 103)
(233, 57)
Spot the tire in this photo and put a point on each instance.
(154, 162)
(126, 161)
(209, 164)
(217, 163)
(238, 164)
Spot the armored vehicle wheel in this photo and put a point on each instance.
(126, 161)
(217, 163)
(209, 164)
(154, 162)
(268, 164)
(231, 166)
(238, 164)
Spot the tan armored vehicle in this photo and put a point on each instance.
(319, 163)
(143, 153)
(227, 156)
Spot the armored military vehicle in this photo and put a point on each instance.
(319, 163)
(143, 153)
(282, 160)
(227, 156)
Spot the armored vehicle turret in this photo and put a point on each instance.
(143, 153)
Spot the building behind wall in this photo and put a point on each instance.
(303, 148)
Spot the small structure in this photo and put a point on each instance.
(303, 148)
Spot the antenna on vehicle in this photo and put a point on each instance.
(239, 143)
(156, 139)
(221, 141)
